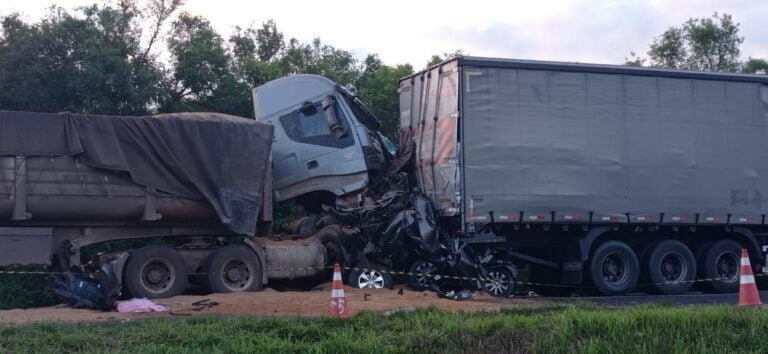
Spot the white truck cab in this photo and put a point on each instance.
(326, 142)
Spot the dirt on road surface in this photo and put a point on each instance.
(270, 302)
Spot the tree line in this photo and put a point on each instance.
(103, 59)
(106, 59)
(708, 44)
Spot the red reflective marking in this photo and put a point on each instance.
(446, 131)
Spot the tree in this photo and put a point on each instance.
(634, 60)
(199, 57)
(321, 59)
(377, 87)
(89, 61)
(713, 43)
(756, 66)
(270, 41)
(101, 59)
(437, 59)
(158, 12)
(710, 44)
(669, 49)
(201, 79)
(248, 65)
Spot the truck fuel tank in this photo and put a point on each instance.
(288, 259)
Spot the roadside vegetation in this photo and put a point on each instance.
(24, 290)
(563, 329)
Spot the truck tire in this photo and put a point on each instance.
(671, 267)
(614, 268)
(720, 259)
(155, 271)
(233, 268)
(329, 237)
(370, 279)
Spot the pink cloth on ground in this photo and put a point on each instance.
(139, 305)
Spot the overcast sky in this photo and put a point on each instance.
(597, 31)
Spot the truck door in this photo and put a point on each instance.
(321, 134)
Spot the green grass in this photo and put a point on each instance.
(573, 328)
(23, 291)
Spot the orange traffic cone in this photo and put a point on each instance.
(338, 306)
(748, 294)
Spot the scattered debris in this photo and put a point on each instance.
(204, 304)
(454, 295)
(140, 305)
(400, 310)
(79, 290)
(179, 313)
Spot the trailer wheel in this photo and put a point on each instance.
(155, 271)
(420, 274)
(614, 268)
(232, 269)
(671, 267)
(721, 260)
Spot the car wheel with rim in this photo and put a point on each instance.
(499, 282)
(420, 275)
(370, 279)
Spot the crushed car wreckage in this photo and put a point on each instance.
(395, 229)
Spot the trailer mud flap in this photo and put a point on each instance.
(573, 262)
(572, 272)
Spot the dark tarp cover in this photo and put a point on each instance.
(216, 157)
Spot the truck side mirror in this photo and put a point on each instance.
(329, 106)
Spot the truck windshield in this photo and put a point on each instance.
(362, 113)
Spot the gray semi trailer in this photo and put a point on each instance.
(605, 178)
(199, 184)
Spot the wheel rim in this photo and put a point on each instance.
(236, 275)
(614, 269)
(157, 275)
(371, 279)
(727, 266)
(672, 267)
(497, 283)
(423, 272)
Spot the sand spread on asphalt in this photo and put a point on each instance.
(271, 302)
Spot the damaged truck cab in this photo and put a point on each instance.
(325, 140)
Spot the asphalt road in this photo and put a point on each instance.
(682, 299)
